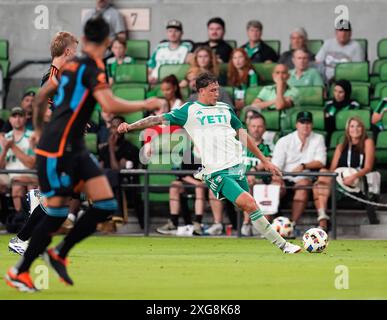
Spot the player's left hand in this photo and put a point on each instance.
(268, 166)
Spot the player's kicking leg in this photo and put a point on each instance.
(236, 190)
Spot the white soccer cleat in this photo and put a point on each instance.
(17, 246)
(291, 248)
(215, 230)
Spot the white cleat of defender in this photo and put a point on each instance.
(291, 248)
(18, 246)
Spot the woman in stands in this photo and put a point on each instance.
(240, 75)
(341, 101)
(357, 151)
(173, 99)
(203, 60)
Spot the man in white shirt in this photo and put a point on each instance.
(173, 51)
(339, 49)
(300, 151)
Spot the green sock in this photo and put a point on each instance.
(265, 229)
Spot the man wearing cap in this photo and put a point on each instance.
(300, 151)
(16, 153)
(216, 28)
(339, 49)
(172, 51)
(256, 48)
(26, 105)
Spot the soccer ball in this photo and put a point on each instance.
(315, 240)
(284, 227)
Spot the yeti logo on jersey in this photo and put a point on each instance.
(212, 119)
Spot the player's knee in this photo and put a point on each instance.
(105, 209)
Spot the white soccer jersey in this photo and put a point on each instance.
(213, 131)
(163, 54)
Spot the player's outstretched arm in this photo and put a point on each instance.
(248, 142)
(141, 124)
(112, 104)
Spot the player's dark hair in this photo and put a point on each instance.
(96, 29)
(204, 80)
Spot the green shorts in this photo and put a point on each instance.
(228, 183)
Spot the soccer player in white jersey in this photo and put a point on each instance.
(213, 128)
(173, 51)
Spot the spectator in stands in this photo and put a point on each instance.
(177, 204)
(203, 60)
(256, 127)
(256, 48)
(103, 130)
(298, 40)
(26, 105)
(173, 51)
(216, 29)
(377, 116)
(279, 96)
(240, 75)
(341, 101)
(357, 151)
(300, 151)
(339, 49)
(116, 155)
(112, 16)
(17, 154)
(302, 75)
(119, 57)
(171, 91)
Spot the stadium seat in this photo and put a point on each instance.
(343, 115)
(383, 72)
(311, 96)
(129, 93)
(164, 159)
(377, 64)
(275, 45)
(382, 49)
(133, 116)
(232, 43)
(361, 93)
(272, 118)
(134, 138)
(364, 45)
(374, 103)
(179, 70)
(352, 71)
(3, 49)
(4, 114)
(251, 94)
(314, 45)
(230, 91)
(138, 49)
(91, 142)
(381, 148)
(337, 137)
(131, 73)
(264, 71)
(96, 116)
(4, 65)
(378, 91)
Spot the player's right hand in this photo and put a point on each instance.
(123, 127)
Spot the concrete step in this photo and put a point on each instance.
(374, 231)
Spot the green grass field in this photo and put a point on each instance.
(209, 268)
